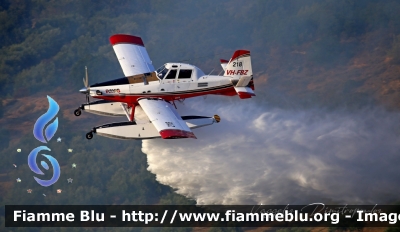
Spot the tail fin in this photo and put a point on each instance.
(241, 74)
(239, 65)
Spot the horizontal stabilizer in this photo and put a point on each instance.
(224, 63)
(245, 92)
(243, 81)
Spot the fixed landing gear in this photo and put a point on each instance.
(89, 135)
(78, 112)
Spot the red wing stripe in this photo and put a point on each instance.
(223, 61)
(176, 134)
(121, 38)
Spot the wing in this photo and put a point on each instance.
(131, 54)
(165, 119)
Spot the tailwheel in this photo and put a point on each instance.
(89, 135)
(78, 112)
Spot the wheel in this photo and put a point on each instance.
(89, 135)
(77, 112)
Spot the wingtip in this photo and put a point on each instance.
(176, 134)
(122, 38)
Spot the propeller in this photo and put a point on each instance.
(86, 91)
(86, 83)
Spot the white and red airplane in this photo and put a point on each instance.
(146, 96)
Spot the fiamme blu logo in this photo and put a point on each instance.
(44, 134)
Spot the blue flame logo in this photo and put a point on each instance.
(48, 134)
(44, 119)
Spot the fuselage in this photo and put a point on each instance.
(173, 81)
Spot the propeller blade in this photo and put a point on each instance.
(86, 83)
(87, 78)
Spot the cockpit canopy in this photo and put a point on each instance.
(185, 71)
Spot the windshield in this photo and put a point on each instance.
(161, 72)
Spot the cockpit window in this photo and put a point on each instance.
(160, 69)
(171, 74)
(161, 72)
(185, 74)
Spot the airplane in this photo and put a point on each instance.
(147, 96)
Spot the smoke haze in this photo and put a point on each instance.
(261, 155)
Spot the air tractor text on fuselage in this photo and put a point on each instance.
(237, 72)
(113, 91)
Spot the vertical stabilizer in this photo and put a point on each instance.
(239, 65)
